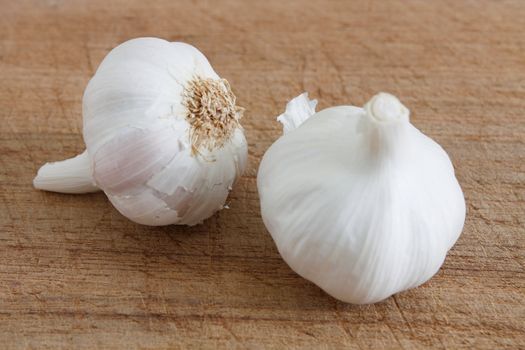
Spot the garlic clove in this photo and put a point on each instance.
(119, 99)
(239, 148)
(68, 176)
(130, 159)
(144, 207)
(199, 66)
(183, 171)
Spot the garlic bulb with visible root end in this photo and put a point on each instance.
(162, 132)
(358, 200)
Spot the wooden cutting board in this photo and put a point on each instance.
(75, 274)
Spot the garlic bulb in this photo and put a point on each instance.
(162, 133)
(358, 200)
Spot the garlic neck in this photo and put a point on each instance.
(388, 121)
(385, 108)
(211, 113)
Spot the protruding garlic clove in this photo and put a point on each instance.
(72, 175)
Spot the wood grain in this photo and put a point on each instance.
(74, 274)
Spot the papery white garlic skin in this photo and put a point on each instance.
(156, 165)
(359, 201)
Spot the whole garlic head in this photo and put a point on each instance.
(162, 133)
(358, 200)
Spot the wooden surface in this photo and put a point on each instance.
(74, 274)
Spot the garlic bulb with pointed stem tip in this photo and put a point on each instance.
(162, 133)
(358, 200)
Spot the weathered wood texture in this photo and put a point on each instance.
(74, 274)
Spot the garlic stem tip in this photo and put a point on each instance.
(385, 107)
